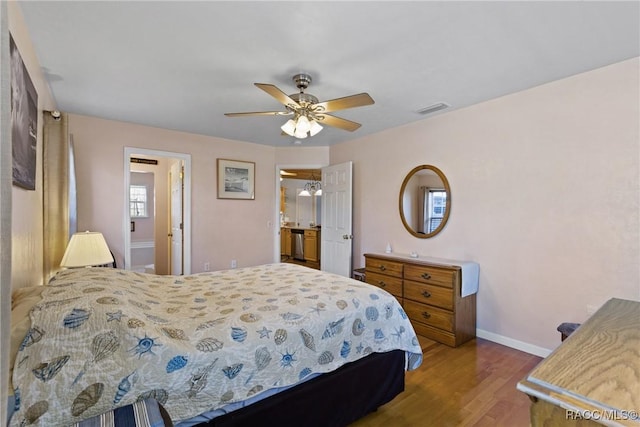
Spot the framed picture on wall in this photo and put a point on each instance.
(236, 179)
(24, 121)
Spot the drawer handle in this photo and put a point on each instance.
(383, 268)
(381, 284)
(426, 315)
(426, 294)
(426, 276)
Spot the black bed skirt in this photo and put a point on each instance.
(331, 400)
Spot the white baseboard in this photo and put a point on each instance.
(510, 342)
(149, 268)
(142, 244)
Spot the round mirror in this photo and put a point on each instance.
(425, 201)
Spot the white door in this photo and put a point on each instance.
(337, 207)
(176, 234)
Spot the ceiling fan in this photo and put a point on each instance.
(308, 113)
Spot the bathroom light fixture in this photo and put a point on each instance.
(312, 187)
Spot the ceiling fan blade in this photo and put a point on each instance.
(282, 97)
(337, 122)
(260, 113)
(352, 101)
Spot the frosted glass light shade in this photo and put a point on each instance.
(303, 124)
(301, 127)
(289, 127)
(86, 249)
(300, 134)
(315, 128)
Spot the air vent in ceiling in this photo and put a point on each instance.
(433, 108)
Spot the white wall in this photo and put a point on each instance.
(545, 197)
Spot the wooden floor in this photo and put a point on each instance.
(471, 385)
(310, 264)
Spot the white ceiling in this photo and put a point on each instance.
(182, 65)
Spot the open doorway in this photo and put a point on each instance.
(157, 217)
(299, 214)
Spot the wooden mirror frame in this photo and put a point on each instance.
(445, 218)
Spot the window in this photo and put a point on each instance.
(436, 205)
(138, 201)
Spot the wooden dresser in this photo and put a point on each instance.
(430, 293)
(593, 377)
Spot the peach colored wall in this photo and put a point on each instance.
(222, 229)
(27, 232)
(26, 206)
(545, 197)
(300, 155)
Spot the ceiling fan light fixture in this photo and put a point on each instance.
(289, 127)
(303, 124)
(315, 128)
(306, 109)
(300, 134)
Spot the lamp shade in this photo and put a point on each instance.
(315, 128)
(86, 249)
(289, 127)
(303, 124)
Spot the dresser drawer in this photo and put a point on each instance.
(429, 294)
(383, 266)
(436, 334)
(393, 285)
(429, 315)
(430, 275)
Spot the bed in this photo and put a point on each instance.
(221, 348)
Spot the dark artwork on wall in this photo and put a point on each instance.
(24, 122)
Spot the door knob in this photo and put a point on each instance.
(347, 236)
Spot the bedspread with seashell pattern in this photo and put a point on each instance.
(102, 338)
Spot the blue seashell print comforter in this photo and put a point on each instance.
(103, 338)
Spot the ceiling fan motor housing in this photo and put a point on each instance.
(304, 99)
(302, 81)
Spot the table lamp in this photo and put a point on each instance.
(86, 249)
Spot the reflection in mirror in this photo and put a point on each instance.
(425, 201)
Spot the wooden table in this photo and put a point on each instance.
(593, 377)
